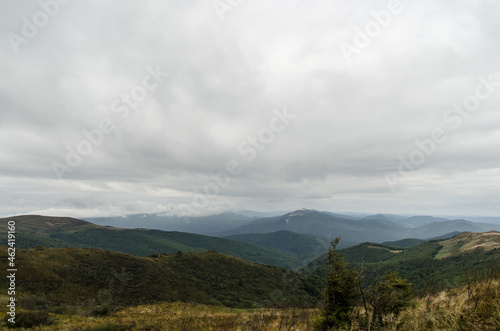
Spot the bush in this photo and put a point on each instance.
(33, 302)
(64, 310)
(99, 311)
(389, 295)
(30, 319)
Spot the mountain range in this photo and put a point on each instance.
(290, 240)
(375, 228)
(244, 222)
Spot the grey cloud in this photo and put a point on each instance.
(354, 120)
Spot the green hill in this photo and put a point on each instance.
(435, 264)
(44, 225)
(467, 242)
(89, 277)
(445, 236)
(409, 242)
(304, 246)
(63, 232)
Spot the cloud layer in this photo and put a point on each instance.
(232, 66)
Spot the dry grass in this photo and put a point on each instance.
(474, 307)
(469, 241)
(185, 316)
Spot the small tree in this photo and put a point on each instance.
(390, 294)
(340, 293)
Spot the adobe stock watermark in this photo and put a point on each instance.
(122, 106)
(31, 27)
(372, 29)
(222, 7)
(248, 150)
(454, 117)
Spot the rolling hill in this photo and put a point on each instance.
(90, 277)
(437, 263)
(467, 242)
(304, 246)
(64, 232)
(285, 241)
(409, 242)
(43, 225)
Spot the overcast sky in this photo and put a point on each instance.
(121, 107)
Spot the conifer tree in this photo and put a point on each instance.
(340, 293)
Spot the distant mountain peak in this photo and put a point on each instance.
(301, 212)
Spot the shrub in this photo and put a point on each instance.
(389, 295)
(30, 319)
(99, 311)
(33, 302)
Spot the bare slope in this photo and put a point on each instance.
(467, 242)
